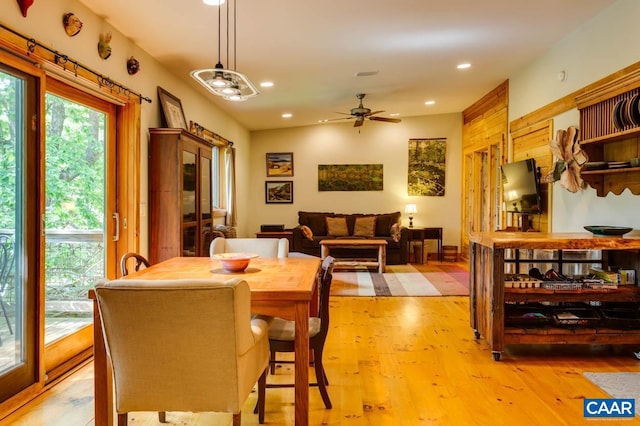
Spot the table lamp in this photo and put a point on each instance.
(411, 209)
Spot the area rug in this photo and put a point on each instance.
(401, 280)
(618, 385)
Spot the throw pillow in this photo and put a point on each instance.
(365, 227)
(306, 231)
(395, 232)
(384, 222)
(337, 227)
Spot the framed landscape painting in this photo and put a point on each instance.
(279, 164)
(427, 166)
(278, 191)
(350, 177)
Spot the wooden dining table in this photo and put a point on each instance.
(282, 287)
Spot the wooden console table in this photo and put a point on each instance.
(277, 234)
(381, 245)
(421, 234)
(489, 253)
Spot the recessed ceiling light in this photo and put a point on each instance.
(464, 66)
(395, 114)
(287, 115)
(430, 102)
(266, 84)
(323, 121)
(213, 2)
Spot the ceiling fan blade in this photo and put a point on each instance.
(375, 112)
(388, 120)
(341, 118)
(359, 121)
(343, 113)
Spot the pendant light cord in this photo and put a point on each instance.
(219, 33)
(228, 61)
(235, 56)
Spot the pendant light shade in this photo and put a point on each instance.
(227, 83)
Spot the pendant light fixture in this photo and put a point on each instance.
(228, 83)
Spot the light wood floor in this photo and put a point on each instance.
(400, 361)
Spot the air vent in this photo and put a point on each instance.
(365, 73)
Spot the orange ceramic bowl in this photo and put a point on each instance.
(234, 262)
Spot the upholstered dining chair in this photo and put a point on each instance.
(183, 345)
(263, 247)
(282, 335)
(140, 260)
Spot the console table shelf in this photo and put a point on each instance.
(488, 294)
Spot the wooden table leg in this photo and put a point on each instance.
(382, 259)
(102, 398)
(324, 251)
(302, 364)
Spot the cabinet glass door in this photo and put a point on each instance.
(188, 186)
(205, 188)
(189, 200)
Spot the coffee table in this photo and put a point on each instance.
(327, 244)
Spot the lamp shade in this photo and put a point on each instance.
(410, 208)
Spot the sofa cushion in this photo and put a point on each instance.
(337, 226)
(315, 221)
(365, 226)
(384, 222)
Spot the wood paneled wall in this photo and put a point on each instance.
(484, 135)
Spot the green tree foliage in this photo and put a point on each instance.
(74, 165)
(9, 87)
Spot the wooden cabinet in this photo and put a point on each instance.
(180, 183)
(488, 295)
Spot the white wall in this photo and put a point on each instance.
(375, 143)
(600, 47)
(44, 23)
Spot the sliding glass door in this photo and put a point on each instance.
(18, 237)
(80, 219)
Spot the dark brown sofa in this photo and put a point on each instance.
(316, 223)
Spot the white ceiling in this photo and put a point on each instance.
(312, 49)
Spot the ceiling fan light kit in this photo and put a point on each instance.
(229, 84)
(360, 113)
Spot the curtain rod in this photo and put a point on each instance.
(62, 60)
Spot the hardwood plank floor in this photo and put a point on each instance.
(400, 361)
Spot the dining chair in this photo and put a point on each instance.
(140, 260)
(282, 335)
(6, 268)
(183, 345)
(263, 247)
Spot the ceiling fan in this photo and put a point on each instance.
(360, 113)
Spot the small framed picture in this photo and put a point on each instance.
(278, 191)
(279, 164)
(172, 110)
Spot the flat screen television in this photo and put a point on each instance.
(521, 187)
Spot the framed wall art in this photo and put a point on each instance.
(278, 191)
(279, 164)
(172, 110)
(350, 177)
(427, 164)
